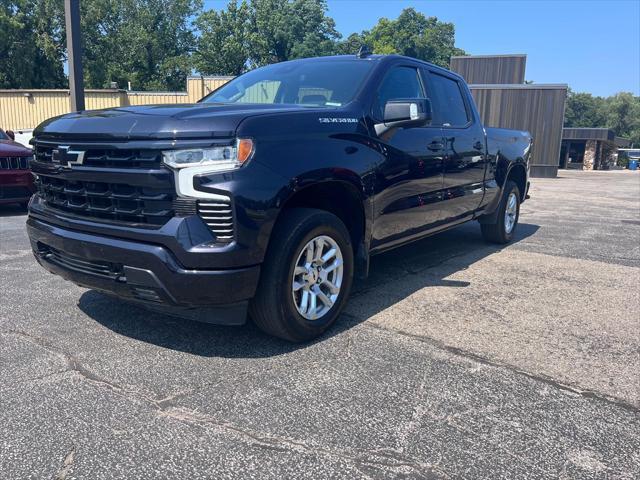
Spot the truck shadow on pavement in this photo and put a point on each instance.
(423, 264)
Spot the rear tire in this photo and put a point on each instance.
(508, 214)
(278, 307)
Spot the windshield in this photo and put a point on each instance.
(3, 136)
(329, 84)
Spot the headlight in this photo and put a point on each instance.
(218, 158)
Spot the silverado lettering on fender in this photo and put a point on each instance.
(268, 196)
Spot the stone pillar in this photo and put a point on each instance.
(601, 162)
(589, 155)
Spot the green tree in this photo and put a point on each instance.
(287, 29)
(623, 115)
(351, 44)
(260, 32)
(31, 44)
(223, 46)
(620, 112)
(145, 42)
(414, 35)
(584, 110)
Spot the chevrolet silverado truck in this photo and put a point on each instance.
(268, 196)
(16, 181)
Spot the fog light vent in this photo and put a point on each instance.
(146, 294)
(218, 215)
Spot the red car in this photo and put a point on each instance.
(16, 180)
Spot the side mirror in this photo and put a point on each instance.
(406, 113)
(10, 134)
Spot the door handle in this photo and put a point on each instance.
(478, 145)
(435, 146)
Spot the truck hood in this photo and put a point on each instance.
(9, 148)
(186, 121)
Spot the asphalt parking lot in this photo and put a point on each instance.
(455, 359)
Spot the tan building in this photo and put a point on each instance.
(26, 108)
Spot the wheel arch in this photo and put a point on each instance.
(518, 174)
(514, 171)
(344, 198)
(339, 197)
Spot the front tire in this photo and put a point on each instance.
(507, 217)
(306, 276)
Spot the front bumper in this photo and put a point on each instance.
(143, 272)
(16, 186)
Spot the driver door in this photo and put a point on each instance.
(409, 181)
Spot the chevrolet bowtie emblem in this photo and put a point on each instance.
(65, 157)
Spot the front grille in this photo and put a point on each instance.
(184, 206)
(109, 201)
(218, 215)
(14, 163)
(108, 158)
(82, 265)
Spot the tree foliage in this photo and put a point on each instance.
(155, 44)
(287, 29)
(31, 44)
(414, 35)
(145, 42)
(258, 32)
(584, 110)
(620, 112)
(224, 43)
(623, 115)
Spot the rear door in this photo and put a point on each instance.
(465, 159)
(409, 180)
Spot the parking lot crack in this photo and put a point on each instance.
(171, 400)
(539, 377)
(378, 458)
(408, 428)
(67, 465)
(73, 364)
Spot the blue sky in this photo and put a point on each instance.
(592, 45)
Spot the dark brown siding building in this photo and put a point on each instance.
(539, 109)
(505, 101)
(490, 69)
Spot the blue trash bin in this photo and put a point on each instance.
(633, 164)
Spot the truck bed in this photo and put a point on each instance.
(508, 143)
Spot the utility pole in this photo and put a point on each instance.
(74, 53)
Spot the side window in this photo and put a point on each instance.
(448, 103)
(400, 82)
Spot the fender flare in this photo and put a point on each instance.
(491, 218)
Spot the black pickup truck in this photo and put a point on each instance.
(267, 197)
